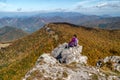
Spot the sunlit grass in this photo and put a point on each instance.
(21, 56)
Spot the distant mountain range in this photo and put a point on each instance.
(10, 33)
(17, 14)
(34, 21)
(105, 23)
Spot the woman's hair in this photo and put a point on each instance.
(75, 35)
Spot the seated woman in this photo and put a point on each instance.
(73, 42)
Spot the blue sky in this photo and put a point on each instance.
(97, 7)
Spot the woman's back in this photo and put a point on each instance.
(73, 42)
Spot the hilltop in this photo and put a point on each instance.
(8, 33)
(21, 55)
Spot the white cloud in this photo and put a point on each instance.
(88, 4)
(109, 5)
(60, 9)
(19, 9)
(98, 7)
(5, 6)
(102, 5)
(79, 7)
(2, 4)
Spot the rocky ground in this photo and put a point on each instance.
(4, 45)
(70, 65)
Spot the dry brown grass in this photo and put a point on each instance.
(18, 58)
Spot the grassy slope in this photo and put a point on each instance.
(8, 33)
(18, 58)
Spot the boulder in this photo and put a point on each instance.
(69, 55)
(114, 60)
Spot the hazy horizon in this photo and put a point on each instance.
(90, 7)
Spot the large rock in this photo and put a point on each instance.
(47, 67)
(115, 59)
(112, 61)
(69, 55)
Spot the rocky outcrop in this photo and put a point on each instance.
(115, 59)
(69, 55)
(2, 46)
(113, 62)
(47, 67)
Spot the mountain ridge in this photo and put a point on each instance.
(23, 53)
(33, 23)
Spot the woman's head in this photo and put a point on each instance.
(75, 35)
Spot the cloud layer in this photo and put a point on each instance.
(98, 4)
(109, 4)
(98, 7)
